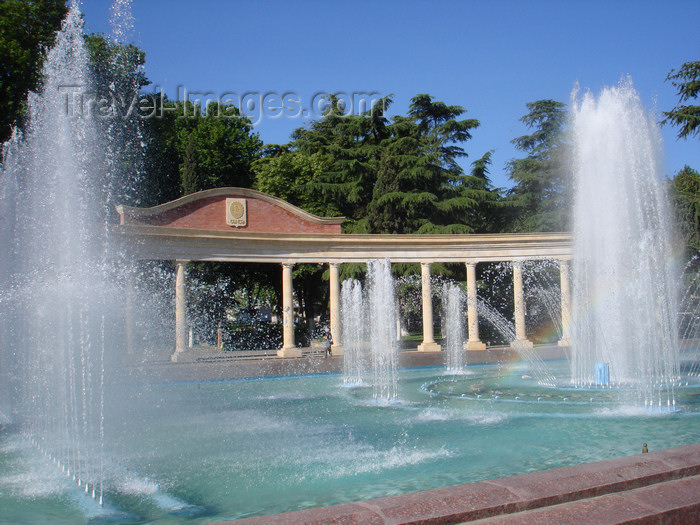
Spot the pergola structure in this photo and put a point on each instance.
(243, 225)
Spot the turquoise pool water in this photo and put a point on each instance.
(203, 452)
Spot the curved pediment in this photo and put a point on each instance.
(230, 209)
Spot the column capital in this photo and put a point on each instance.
(334, 265)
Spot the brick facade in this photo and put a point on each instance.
(207, 211)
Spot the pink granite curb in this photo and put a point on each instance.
(643, 484)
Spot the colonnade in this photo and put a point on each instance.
(289, 349)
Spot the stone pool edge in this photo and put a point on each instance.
(644, 488)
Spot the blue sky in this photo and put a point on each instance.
(490, 57)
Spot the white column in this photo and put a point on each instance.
(337, 346)
(473, 341)
(519, 306)
(565, 303)
(429, 344)
(288, 349)
(180, 310)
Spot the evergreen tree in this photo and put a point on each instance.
(484, 215)
(687, 81)
(540, 200)
(398, 176)
(420, 182)
(349, 148)
(189, 169)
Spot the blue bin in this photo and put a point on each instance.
(602, 374)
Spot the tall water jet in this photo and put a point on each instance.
(624, 304)
(453, 307)
(352, 307)
(368, 318)
(57, 311)
(382, 322)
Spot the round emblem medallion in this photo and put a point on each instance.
(236, 210)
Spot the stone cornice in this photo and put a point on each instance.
(153, 242)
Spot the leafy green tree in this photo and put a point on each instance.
(685, 192)
(687, 81)
(117, 70)
(163, 157)
(27, 28)
(188, 151)
(224, 144)
(540, 199)
(398, 176)
(399, 202)
(286, 174)
(117, 78)
(385, 176)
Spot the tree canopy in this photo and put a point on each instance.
(685, 193)
(540, 199)
(27, 29)
(419, 180)
(398, 175)
(686, 116)
(190, 150)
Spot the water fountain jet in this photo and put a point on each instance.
(625, 295)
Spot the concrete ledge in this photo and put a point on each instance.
(643, 488)
(204, 363)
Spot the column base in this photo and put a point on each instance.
(474, 345)
(290, 351)
(522, 343)
(177, 356)
(429, 347)
(564, 342)
(337, 350)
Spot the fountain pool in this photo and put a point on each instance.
(251, 447)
